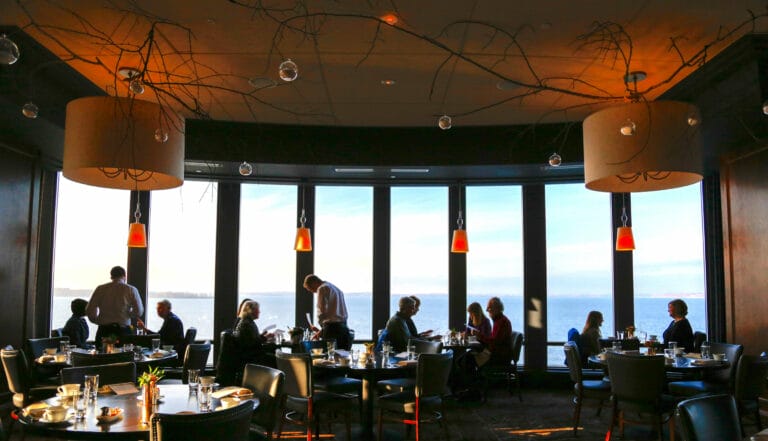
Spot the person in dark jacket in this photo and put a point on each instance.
(76, 327)
(679, 329)
(172, 331)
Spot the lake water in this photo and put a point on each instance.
(563, 314)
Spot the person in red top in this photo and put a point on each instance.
(500, 341)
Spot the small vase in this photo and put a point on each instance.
(148, 392)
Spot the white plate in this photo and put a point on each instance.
(111, 418)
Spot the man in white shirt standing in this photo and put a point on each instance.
(113, 305)
(331, 311)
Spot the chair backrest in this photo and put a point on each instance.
(630, 344)
(16, 370)
(37, 346)
(432, 373)
(636, 379)
(190, 335)
(108, 373)
(750, 378)
(267, 385)
(298, 373)
(428, 347)
(195, 357)
(517, 346)
(57, 332)
(228, 362)
(698, 338)
(709, 418)
(231, 424)
(728, 375)
(138, 340)
(86, 359)
(573, 360)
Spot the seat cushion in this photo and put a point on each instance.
(322, 401)
(696, 387)
(396, 385)
(594, 389)
(406, 402)
(340, 385)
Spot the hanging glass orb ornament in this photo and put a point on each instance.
(245, 169)
(288, 70)
(161, 136)
(445, 122)
(765, 107)
(136, 86)
(30, 110)
(555, 160)
(9, 52)
(694, 119)
(628, 128)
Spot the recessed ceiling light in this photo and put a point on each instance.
(388, 82)
(126, 73)
(390, 19)
(262, 83)
(353, 170)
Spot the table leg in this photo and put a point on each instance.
(367, 416)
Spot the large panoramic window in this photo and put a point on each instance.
(267, 264)
(343, 245)
(669, 257)
(579, 262)
(495, 258)
(419, 253)
(90, 238)
(182, 250)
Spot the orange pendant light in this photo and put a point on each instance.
(459, 243)
(137, 234)
(624, 239)
(303, 241)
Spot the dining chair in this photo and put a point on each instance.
(17, 377)
(302, 404)
(393, 385)
(750, 385)
(714, 381)
(267, 385)
(230, 424)
(637, 384)
(108, 373)
(228, 365)
(195, 357)
(86, 359)
(598, 390)
(425, 403)
(698, 338)
(709, 418)
(508, 370)
(34, 348)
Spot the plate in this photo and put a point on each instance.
(115, 414)
(705, 362)
(44, 420)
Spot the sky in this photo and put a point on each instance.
(92, 224)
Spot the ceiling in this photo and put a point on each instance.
(483, 63)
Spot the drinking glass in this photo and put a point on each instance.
(63, 345)
(155, 344)
(80, 403)
(92, 385)
(355, 356)
(705, 350)
(669, 354)
(193, 376)
(411, 350)
(204, 397)
(616, 346)
(331, 345)
(672, 345)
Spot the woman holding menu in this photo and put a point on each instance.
(477, 323)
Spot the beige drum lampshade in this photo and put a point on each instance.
(120, 143)
(642, 146)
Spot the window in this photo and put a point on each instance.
(91, 234)
(182, 250)
(419, 253)
(343, 245)
(267, 270)
(579, 261)
(495, 258)
(669, 257)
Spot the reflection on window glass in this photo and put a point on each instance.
(669, 256)
(343, 245)
(267, 270)
(495, 259)
(579, 262)
(182, 250)
(90, 238)
(419, 253)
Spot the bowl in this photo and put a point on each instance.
(55, 414)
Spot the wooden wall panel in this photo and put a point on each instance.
(745, 224)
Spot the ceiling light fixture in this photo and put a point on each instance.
(555, 160)
(133, 77)
(352, 170)
(388, 82)
(137, 234)
(390, 19)
(30, 110)
(245, 169)
(445, 122)
(303, 242)
(459, 242)
(288, 70)
(9, 52)
(624, 239)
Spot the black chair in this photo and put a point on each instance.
(34, 348)
(57, 332)
(267, 385)
(637, 382)
(17, 377)
(583, 389)
(85, 359)
(403, 384)
(231, 424)
(195, 357)
(750, 385)
(426, 401)
(508, 370)
(108, 373)
(698, 338)
(303, 401)
(715, 381)
(228, 365)
(709, 418)
(144, 341)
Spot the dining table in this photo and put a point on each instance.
(687, 363)
(174, 398)
(143, 359)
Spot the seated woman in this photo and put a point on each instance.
(477, 323)
(249, 339)
(679, 330)
(589, 341)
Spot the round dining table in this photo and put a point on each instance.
(174, 398)
(679, 364)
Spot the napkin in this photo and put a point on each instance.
(231, 390)
(123, 388)
(406, 362)
(402, 355)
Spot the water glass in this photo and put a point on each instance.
(80, 404)
(355, 354)
(91, 385)
(386, 347)
(331, 346)
(204, 397)
(705, 350)
(411, 350)
(155, 344)
(63, 345)
(672, 345)
(616, 346)
(193, 376)
(669, 354)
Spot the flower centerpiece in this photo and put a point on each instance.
(148, 383)
(630, 331)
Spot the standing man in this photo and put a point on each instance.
(113, 305)
(172, 331)
(331, 311)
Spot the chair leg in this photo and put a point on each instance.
(348, 420)
(672, 428)
(381, 416)
(612, 423)
(576, 415)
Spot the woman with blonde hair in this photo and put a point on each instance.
(477, 323)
